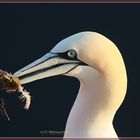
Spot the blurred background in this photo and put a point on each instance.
(28, 31)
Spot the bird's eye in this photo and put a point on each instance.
(72, 54)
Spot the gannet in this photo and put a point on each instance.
(97, 63)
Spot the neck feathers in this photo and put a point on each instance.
(99, 97)
(91, 114)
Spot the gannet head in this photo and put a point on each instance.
(71, 55)
(74, 55)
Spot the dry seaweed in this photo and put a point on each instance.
(8, 82)
(11, 84)
(3, 111)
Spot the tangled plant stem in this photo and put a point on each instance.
(11, 84)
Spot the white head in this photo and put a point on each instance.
(76, 56)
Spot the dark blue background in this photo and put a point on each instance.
(28, 31)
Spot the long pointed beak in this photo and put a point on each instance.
(47, 66)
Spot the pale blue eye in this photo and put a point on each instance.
(72, 54)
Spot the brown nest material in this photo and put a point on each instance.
(11, 84)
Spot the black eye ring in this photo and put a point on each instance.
(72, 54)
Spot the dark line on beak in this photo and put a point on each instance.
(45, 69)
(71, 69)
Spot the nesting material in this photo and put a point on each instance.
(3, 110)
(25, 96)
(11, 84)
